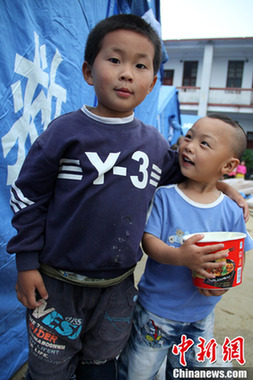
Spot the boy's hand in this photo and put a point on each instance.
(199, 259)
(238, 198)
(235, 196)
(211, 292)
(29, 282)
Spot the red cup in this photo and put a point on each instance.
(229, 275)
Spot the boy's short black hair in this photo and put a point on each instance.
(119, 22)
(240, 140)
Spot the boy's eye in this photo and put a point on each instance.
(204, 143)
(188, 137)
(114, 60)
(140, 66)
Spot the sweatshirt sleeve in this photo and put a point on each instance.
(30, 197)
(171, 169)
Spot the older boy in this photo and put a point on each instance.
(80, 206)
(169, 304)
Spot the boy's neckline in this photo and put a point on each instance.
(107, 120)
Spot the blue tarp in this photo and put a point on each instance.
(188, 121)
(168, 118)
(41, 55)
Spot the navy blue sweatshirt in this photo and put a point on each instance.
(81, 199)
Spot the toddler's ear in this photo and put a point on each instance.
(86, 69)
(231, 165)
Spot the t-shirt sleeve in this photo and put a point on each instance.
(155, 216)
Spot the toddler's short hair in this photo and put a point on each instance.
(122, 22)
(240, 138)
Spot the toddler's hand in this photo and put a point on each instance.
(199, 259)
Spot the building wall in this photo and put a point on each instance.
(236, 103)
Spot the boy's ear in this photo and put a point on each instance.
(86, 69)
(230, 165)
(152, 84)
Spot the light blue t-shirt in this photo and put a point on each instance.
(168, 290)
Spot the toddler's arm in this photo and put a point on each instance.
(189, 254)
(29, 282)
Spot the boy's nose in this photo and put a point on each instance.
(126, 74)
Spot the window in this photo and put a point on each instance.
(235, 72)
(190, 73)
(168, 77)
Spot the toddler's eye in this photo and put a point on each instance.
(204, 143)
(114, 60)
(187, 137)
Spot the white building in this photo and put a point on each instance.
(213, 75)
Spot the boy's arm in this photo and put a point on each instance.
(173, 175)
(189, 254)
(235, 196)
(31, 194)
(30, 284)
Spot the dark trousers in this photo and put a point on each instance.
(79, 325)
(106, 371)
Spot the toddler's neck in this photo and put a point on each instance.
(199, 192)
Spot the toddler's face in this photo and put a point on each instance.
(206, 149)
(122, 73)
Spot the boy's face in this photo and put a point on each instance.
(206, 154)
(122, 73)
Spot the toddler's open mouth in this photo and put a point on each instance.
(187, 160)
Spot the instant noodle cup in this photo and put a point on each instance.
(226, 276)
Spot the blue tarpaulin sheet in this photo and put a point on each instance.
(168, 114)
(188, 121)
